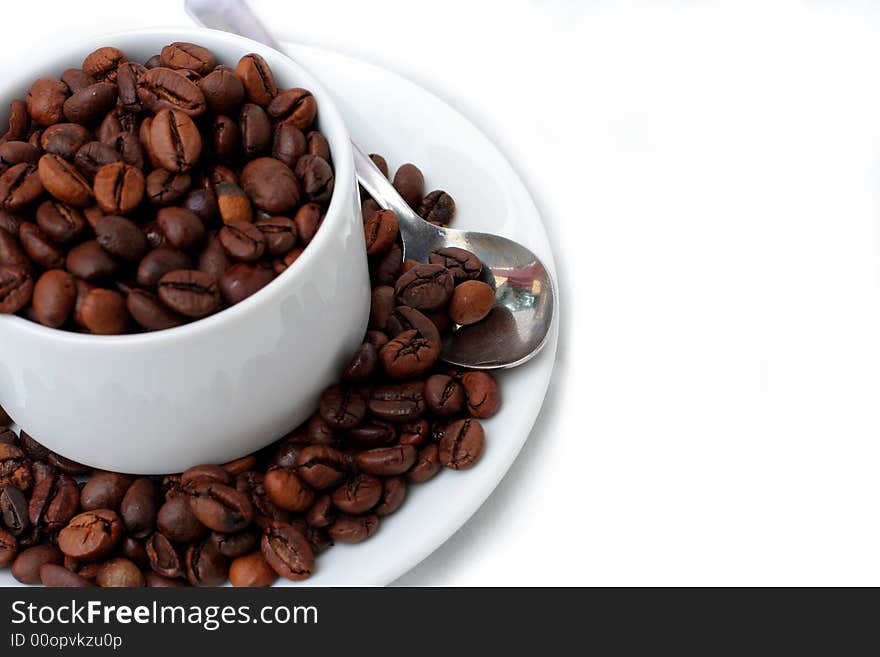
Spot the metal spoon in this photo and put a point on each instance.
(519, 323)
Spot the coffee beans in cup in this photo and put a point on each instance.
(138, 197)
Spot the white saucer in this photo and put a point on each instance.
(389, 115)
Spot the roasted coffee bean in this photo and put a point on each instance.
(318, 145)
(204, 473)
(177, 521)
(140, 507)
(132, 549)
(257, 79)
(203, 202)
(482, 393)
(76, 79)
(55, 576)
(131, 150)
(104, 490)
(289, 144)
(286, 490)
(45, 100)
(11, 252)
(20, 186)
(219, 507)
(164, 557)
(90, 103)
(251, 570)
(64, 139)
(60, 222)
(16, 152)
(444, 395)
(362, 365)
(425, 287)
(127, 76)
(382, 303)
(321, 466)
(404, 318)
(159, 262)
(9, 224)
(16, 288)
(296, 106)
(316, 176)
(251, 483)
(153, 580)
(175, 141)
(270, 184)
(244, 279)
(213, 259)
(380, 162)
(233, 203)
(31, 448)
(19, 122)
(61, 179)
(163, 88)
(463, 265)
(240, 465)
(354, 529)
(341, 407)
(166, 187)
(189, 292)
(243, 241)
(14, 509)
(256, 130)
(14, 467)
(319, 432)
(409, 355)
(380, 231)
(155, 237)
(279, 232)
(91, 535)
(103, 63)
(39, 248)
(119, 572)
(358, 495)
(94, 155)
(438, 207)
(462, 444)
(181, 54)
(308, 219)
(26, 567)
(182, 228)
(54, 501)
(118, 188)
(385, 461)
(223, 91)
(410, 184)
(104, 312)
(8, 548)
(7, 435)
(427, 464)
(287, 551)
(383, 270)
(121, 238)
(373, 433)
(397, 403)
(238, 544)
(226, 139)
(321, 513)
(67, 466)
(146, 309)
(471, 301)
(90, 262)
(393, 495)
(205, 566)
(279, 265)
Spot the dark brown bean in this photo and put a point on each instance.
(91, 535)
(118, 188)
(289, 144)
(103, 63)
(175, 141)
(410, 184)
(287, 551)
(62, 180)
(219, 507)
(164, 88)
(181, 54)
(45, 100)
(104, 490)
(159, 262)
(256, 130)
(56, 576)
(243, 280)
(182, 228)
(296, 106)
(63, 139)
(393, 495)
(121, 238)
(462, 444)
(91, 103)
(140, 507)
(177, 521)
(483, 394)
(39, 247)
(26, 567)
(189, 292)
(380, 232)
(223, 91)
(164, 558)
(20, 186)
(286, 490)
(243, 241)
(354, 529)
(257, 79)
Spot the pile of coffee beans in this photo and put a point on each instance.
(397, 417)
(137, 197)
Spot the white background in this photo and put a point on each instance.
(709, 173)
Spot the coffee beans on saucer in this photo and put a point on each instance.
(138, 197)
